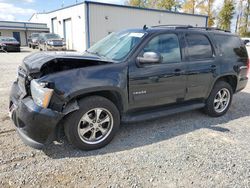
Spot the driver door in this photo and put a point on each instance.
(158, 83)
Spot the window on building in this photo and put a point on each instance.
(167, 45)
(199, 47)
(0, 33)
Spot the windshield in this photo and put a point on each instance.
(9, 39)
(52, 36)
(116, 46)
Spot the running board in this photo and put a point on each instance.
(149, 115)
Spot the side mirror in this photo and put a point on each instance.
(150, 58)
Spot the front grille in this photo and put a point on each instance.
(57, 43)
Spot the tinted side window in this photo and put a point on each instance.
(167, 45)
(199, 47)
(231, 46)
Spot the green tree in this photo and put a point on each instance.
(190, 6)
(244, 20)
(167, 4)
(137, 3)
(226, 15)
(207, 7)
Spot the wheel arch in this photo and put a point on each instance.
(112, 95)
(229, 78)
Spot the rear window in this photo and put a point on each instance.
(231, 46)
(199, 47)
(35, 35)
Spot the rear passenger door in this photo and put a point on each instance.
(201, 65)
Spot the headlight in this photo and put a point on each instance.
(50, 43)
(40, 94)
(2, 44)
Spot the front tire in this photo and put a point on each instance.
(94, 125)
(219, 100)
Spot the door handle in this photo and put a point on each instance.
(213, 66)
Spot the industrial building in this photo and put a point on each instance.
(83, 24)
(21, 30)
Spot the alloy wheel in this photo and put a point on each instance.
(222, 100)
(95, 125)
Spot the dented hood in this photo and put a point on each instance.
(34, 62)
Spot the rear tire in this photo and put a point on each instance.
(94, 125)
(219, 100)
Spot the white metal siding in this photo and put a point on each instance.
(105, 19)
(77, 16)
(68, 34)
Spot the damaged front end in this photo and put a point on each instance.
(37, 104)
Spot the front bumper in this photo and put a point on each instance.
(59, 48)
(242, 83)
(35, 125)
(11, 48)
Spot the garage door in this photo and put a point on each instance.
(54, 25)
(68, 34)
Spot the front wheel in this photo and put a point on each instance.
(219, 100)
(94, 125)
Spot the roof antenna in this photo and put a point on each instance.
(145, 27)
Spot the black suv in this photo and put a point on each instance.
(129, 76)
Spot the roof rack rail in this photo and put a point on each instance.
(174, 26)
(191, 27)
(212, 29)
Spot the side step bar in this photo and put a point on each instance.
(149, 115)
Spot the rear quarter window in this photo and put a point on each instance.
(199, 47)
(231, 46)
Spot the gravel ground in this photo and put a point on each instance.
(184, 150)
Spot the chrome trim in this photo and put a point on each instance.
(243, 67)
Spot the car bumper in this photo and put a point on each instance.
(242, 84)
(11, 48)
(35, 125)
(59, 48)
